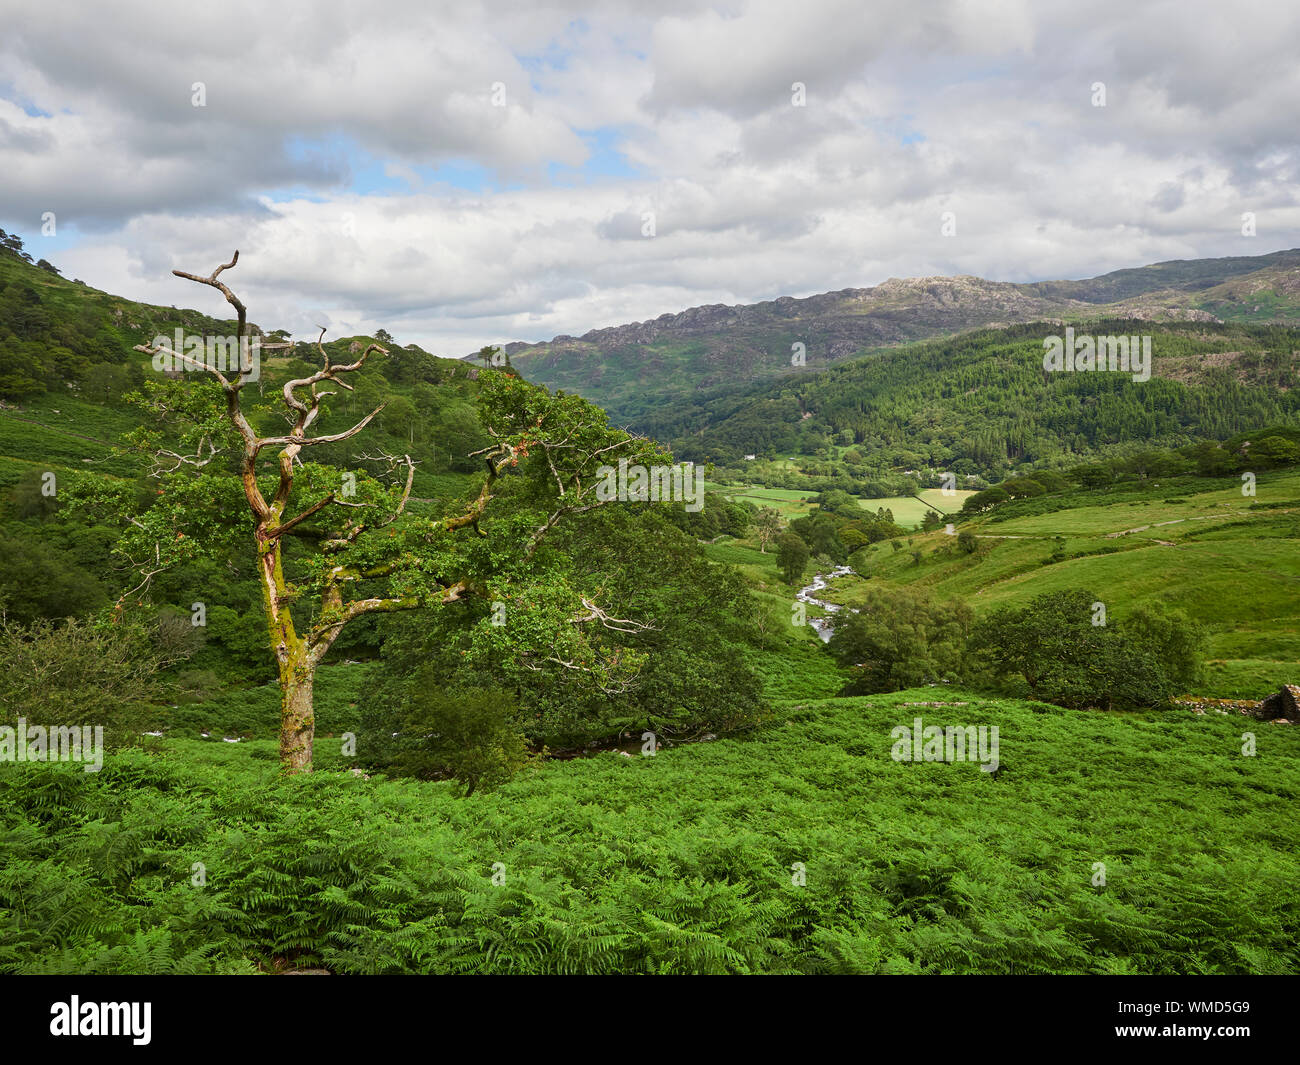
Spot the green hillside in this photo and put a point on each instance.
(1230, 562)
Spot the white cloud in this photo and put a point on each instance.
(324, 120)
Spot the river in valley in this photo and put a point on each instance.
(824, 626)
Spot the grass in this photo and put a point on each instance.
(909, 511)
(1230, 562)
(685, 862)
(790, 503)
(66, 433)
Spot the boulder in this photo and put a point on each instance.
(1285, 703)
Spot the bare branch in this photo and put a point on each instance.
(619, 688)
(308, 441)
(149, 349)
(240, 310)
(595, 613)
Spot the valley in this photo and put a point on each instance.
(907, 498)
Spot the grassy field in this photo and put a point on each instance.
(1230, 562)
(791, 503)
(851, 862)
(908, 511)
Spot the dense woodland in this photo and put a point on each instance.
(981, 405)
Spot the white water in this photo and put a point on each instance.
(824, 626)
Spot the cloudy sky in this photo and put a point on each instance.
(477, 172)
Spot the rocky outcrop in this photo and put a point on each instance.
(1282, 704)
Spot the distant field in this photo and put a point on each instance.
(789, 502)
(909, 512)
(795, 503)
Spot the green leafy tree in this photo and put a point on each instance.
(820, 531)
(472, 735)
(792, 556)
(683, 668)
(1169, 639)
(1066, 657)
(376, 558)
(1022, 487)
(985, 500)
(1273, 451)
(900, 638)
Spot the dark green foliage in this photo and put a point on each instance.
(77, 674)
(1070, 652)
(902, 637)
(1258, 450)
(691, 671)
(792, 556)
(471, 735)
(985, 500)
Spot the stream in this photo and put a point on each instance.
(824, 626)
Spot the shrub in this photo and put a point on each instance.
(1065, 657)
(472, 736)
(902, 637)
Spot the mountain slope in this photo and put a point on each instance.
(636, 370)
